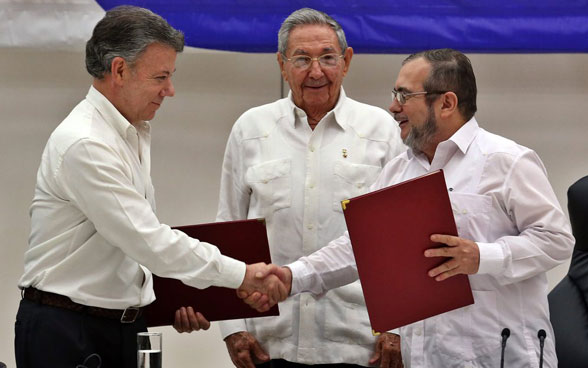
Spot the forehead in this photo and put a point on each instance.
(157, 58)
(413, 74)
(312, 38)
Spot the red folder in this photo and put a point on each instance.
(390, 230)
(245, 240)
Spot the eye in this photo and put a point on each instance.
(299, 61)
(329, 59)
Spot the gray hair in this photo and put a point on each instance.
(306, 16)
(126, 31)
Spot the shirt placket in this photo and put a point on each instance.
(309, 244)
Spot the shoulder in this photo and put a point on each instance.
(495, 145)
(369, 121)
(260, 120)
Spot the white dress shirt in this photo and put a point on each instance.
(277, 167)
(94, 234)
(501, 199)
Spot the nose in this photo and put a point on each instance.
(395, 106)
(315, 70)
(169, 90)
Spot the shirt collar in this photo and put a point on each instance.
(338, 111)
(465, 135)
(111, 115)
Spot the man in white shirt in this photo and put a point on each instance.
(95, 238)
(293, 161)
(511, 227)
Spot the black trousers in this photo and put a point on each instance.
(280, 363)
(53, 337)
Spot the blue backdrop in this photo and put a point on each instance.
(386, 26)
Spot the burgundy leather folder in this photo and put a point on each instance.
(390, 230)
(245, 240)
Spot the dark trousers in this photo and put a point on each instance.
(280, 363)
(53, 337)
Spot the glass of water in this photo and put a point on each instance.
(149, 350)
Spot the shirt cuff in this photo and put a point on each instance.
(230, 327)
(491, 259)
(299, 273)
(233, 273)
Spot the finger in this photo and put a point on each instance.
(448, 274)
(178, 322)
(242, 294)
(183, 320)
(193, 323)
(262, 270)
(244, 359)
(202, 321)
(377, 352)
(253, 298)
(441, 252)
(450, 240)
(444, 267)
(258, 351)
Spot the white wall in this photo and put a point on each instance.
(537, 100)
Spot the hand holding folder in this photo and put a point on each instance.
(390, 229)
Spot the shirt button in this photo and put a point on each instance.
(359, 185)
(265, 182)
(418, 332)
(464, 212)
(311, 186)
(311, 148)
(309, 226)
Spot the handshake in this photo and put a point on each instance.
(263, 287)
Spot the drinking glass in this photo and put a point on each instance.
(149, 350)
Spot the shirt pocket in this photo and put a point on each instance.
(352, 180)
(472, 215)
(270, 183)
(345, 316)
(470, 332)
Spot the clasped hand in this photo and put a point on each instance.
(265, 285)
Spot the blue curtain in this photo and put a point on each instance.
(386, 26)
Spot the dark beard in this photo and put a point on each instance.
(419, 137)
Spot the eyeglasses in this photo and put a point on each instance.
(402, 96)
(305, 61)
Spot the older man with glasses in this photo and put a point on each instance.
(292, 161)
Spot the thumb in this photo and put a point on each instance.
(262, 270)
(258, 352)
(377, 354)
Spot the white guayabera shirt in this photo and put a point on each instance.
(501, 199)
(276, 167)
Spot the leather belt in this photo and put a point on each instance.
(128, 315)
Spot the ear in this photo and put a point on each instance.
(118, 70)
(449, 103)
(347, 58)
(282, 64)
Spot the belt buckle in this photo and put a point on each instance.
(129, 315)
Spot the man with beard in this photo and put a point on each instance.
(511, 227)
